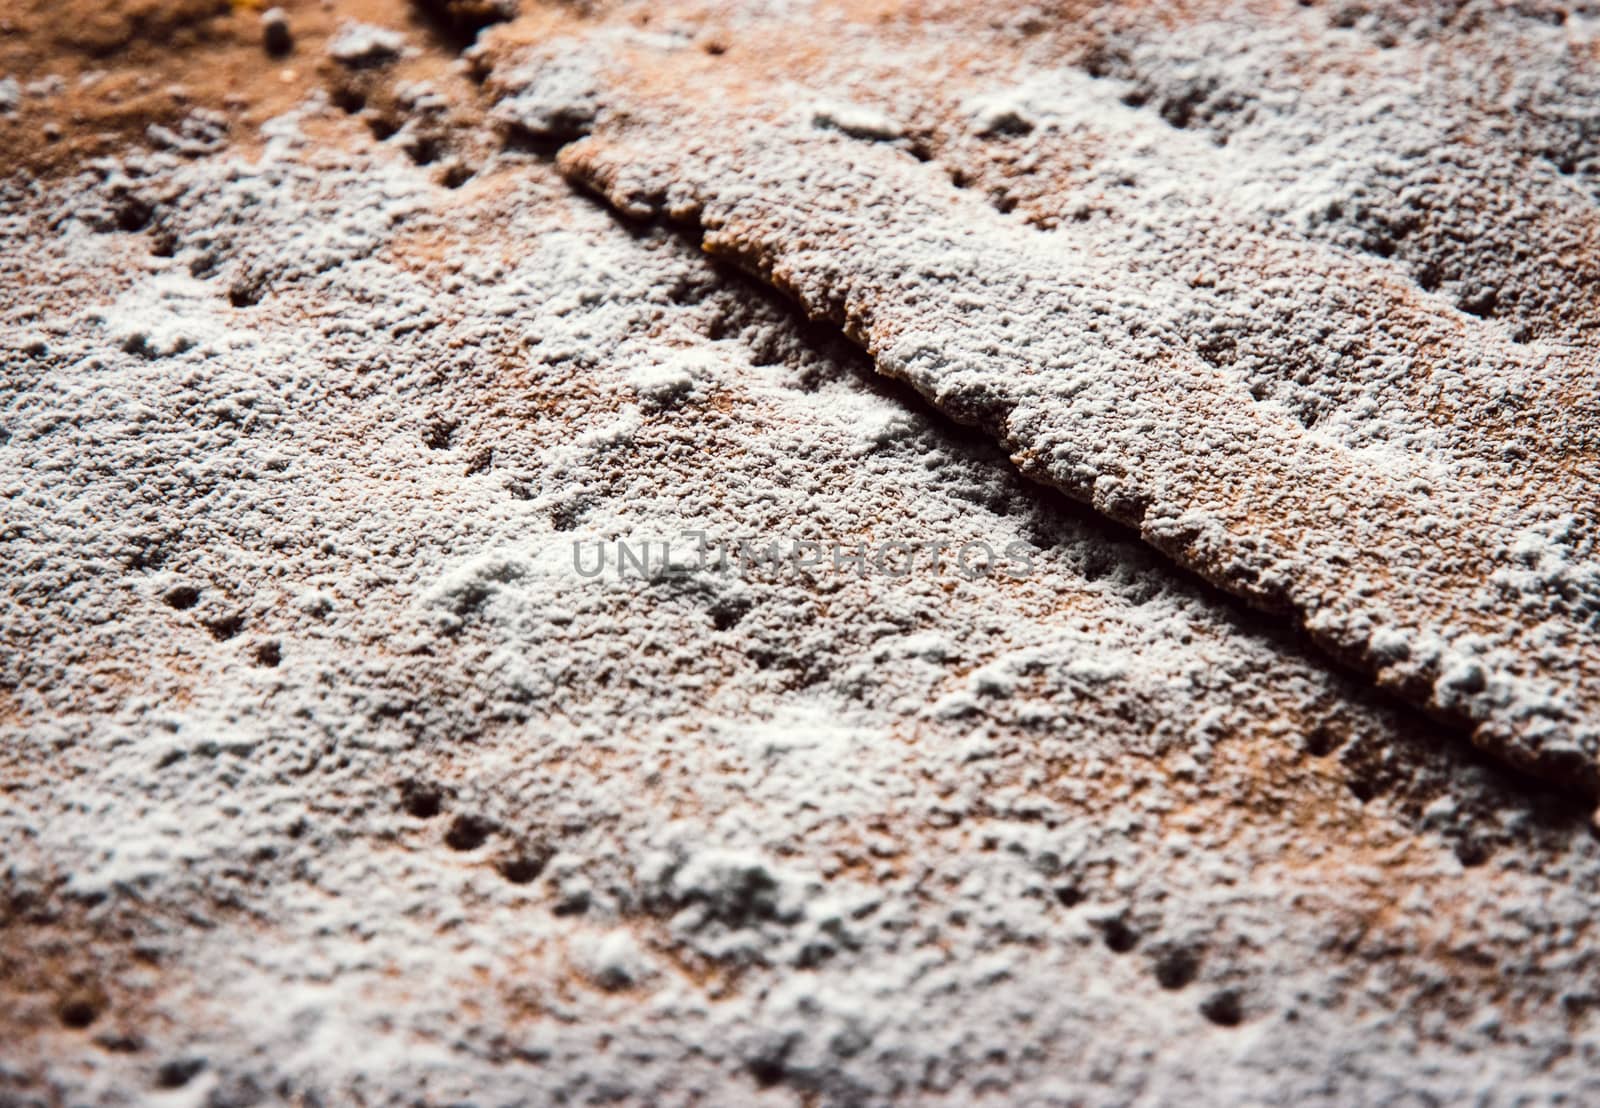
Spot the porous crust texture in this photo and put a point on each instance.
(1305, 293)
(335, 775)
